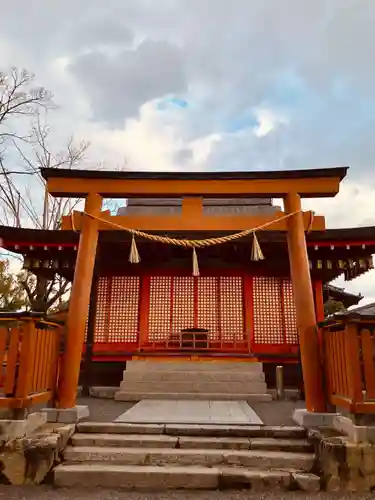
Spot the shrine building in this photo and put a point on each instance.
(196, 267)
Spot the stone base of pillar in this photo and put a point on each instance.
(356, 433)
(312, 420)
(67, 415)
(11, 429)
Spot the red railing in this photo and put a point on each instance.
(348, 347)
(29, 356)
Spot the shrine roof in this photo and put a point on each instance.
(14, 235)
(363, 313)
(49, 173)
(340, 294)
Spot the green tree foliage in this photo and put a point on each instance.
(333, 306)
(12, 294)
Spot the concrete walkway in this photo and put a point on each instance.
(191, 412)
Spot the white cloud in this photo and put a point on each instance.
(352, 207)
(268, 120)
(306, 79)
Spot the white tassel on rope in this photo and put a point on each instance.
(134, 257)
(195, 263)
(256, 252)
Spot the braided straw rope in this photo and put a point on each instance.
(195, 243)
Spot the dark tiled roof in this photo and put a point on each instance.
(368, 309)
(341, 291)
(27, 236)
(340, 294)
(48, 173)
(364, 313)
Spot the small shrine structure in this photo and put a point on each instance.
(196, 265)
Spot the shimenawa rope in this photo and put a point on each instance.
(256, 253)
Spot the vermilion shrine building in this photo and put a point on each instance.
(237, 305)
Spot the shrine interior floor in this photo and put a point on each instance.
(151, 411)
(271, 413)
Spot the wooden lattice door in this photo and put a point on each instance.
(117, 311)
(214, 304)
(274, 316)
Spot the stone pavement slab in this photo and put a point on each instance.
(191, 412)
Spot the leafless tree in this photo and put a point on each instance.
(24, 199)
(19, 98)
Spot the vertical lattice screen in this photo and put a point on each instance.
(102, 310)
(215, 303)
(231, 308)
(208, 315)
(183, 303)
(274, 311)
(124, 309)
(159, 321)
(219, 306)
(117, 309)
(268, 314)
(291, 335)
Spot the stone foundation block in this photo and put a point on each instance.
(17, 429)
(305, 482)
(311, 420)
(346, 466)
(356, 433)
(67, 415)
(28, 460)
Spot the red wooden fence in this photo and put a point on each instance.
(348, 347)
(29, 356)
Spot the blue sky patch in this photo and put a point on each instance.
(243, 122)
(176, 102)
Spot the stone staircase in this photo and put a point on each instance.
(159, 457)
(205, 380)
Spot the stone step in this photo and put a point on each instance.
(280, 444)
(192, 377)
(192, 442)
(125, 440)
(155, 478)
(138, 396)
(253, 431)
(191, 457)
(237, 443)
(195, 387)
(195, 366)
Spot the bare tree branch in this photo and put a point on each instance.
(20, 202)
(19, 97)
(62, 290)
(10, 172)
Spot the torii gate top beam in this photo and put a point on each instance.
(314, 183)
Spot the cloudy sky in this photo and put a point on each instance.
(211, 84)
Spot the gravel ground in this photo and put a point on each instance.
(47, 493)
(272, 413)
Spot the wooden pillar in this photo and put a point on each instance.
(304, 302)
(79, 304)
(87, 362)
(319, 300)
